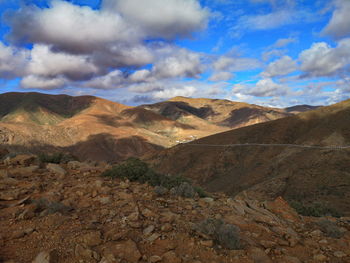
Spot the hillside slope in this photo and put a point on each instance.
(301, 174)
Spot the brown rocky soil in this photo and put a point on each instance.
(69, 213)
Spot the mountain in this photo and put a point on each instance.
(93, 128)
(300, 174)
(300, 108)
(222, 113)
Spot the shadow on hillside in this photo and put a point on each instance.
(113, 121)
(99, 147)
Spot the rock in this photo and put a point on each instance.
(290, 259)
(339, 254)
(208, 200)
(153, 237)
(104, 199)
(75, 165)
(154, 259)
(330, 228)
(24, 170)
(83, 252)
(160, 190)
(148, 230)
(91, 239)
(171, 257)
(56, 169)
(258, 255)
(147, 213)
(47, 257)
(166, 227)
(23, 159)
(3, 153)
(128, 251)
(268, 244)
(207, 243)
(320, 258)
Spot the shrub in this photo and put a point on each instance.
(43, 204)
(134, 169)
(315, 209)
(56, 158)
(330, 229)
(223, 234)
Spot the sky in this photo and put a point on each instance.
(268, 52)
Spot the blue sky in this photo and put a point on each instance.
(267, 52)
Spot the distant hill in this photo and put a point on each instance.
(301, 174)
(300, 108)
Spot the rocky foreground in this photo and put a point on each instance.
(70, 213)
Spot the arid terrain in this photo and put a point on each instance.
(305, 175)
(70, 213)
(97, 129)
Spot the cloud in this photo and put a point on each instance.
(186, 91)
(159, 18)
(37, 82)
(280, 67)
(321, 60)
(265, 87)
(69, 27)
(339, 25)
(221, 76)
(175, 62)
(12, 62)
(230, 63)
(282, 42)
(50, 64)
(112, 80)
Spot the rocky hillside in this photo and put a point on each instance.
(305, 175)
(70, 213)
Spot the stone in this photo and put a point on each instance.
(128, 251)
(56, 169)
(83, 252)
(339, 254)
(207, 243)
(47, 257)
(148, 230)
(153, 237)
(185, 190)
(91, 239)
(320, 258)
(23, 159)
(154, 259)
(166, 227)
(258, 255)
(290, 259)
(24, 170)
(171, 257)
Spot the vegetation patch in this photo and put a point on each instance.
(316, 209)
(56, 158)
(136, 170)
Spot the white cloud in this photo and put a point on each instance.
(229, 63)
(37, 82)
(323, 60)
(280, 67)
(221, 76)
(265, 87)
(69, 27)
(267, 55)
(159, 18)
(282, 42)
(48, 64)
(112, 80)
(186, 91)
(142, 75)
(175, 62)
(339, 25)
(12, 61)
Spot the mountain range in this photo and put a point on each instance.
(97, 129)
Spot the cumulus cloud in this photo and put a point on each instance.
(112, 80)
(159, 18)
(38, 82)
(221, 76)
(280, 67)
(265, 87)
(323, 60)
(48, 64)
(339, 25)
(12, 62)
(186, 91)
(176, 62)
(282, 42)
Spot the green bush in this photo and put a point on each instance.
(134, 169)
(315, 209)
(56, 158)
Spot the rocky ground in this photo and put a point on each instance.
(70, 213)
